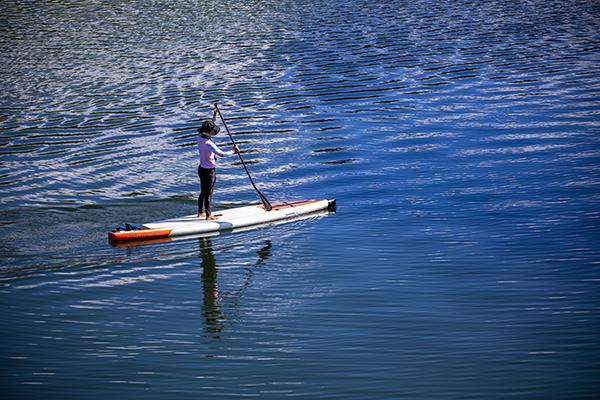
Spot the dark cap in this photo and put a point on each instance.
(209, 128)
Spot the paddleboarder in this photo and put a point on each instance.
(207, 150)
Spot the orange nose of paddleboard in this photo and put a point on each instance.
(141, 234)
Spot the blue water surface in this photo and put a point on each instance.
(460, 139)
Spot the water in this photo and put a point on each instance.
(459, 138)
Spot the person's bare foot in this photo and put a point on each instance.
(211, 218)
(201, 215)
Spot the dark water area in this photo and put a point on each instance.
(460, 139)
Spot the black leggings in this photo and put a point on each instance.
(208, 178)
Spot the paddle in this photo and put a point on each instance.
(263, 199)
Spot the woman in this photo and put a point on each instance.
(207, 150)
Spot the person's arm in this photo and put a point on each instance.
(215, 149)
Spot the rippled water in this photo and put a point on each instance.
(460, 139)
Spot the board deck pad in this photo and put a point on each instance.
(226, 220)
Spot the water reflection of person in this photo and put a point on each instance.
(215, 320)
(210, 309)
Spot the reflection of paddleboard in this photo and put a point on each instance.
(227, 220)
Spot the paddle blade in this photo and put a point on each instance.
(265, 202)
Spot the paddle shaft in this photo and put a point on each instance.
(263, 199)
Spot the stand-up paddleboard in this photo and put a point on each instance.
(226, 220)
(141, 242)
